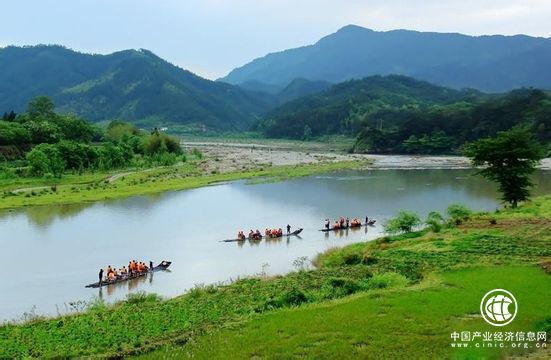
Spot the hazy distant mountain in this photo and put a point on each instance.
(301, 87)
(253, 85)
(488, 63)
(282, 93)
(132, 85)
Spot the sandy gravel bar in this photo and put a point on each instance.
(241, 156)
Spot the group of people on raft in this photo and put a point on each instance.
(134, 267)
(345, 223)
(268, 233)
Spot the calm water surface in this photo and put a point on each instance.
(51, 252)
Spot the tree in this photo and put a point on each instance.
(41, 106)
(307, 134)
(44, 159)
(38, 162)
(76, 129)
(118, 130)
(12, 133)
(43, 131)
(508, 159)
(9, 116)
(404, 222)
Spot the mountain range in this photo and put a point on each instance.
(133, 85)
(139, 86)
(489, 63)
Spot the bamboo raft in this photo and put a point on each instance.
(369, 223)
(122, 278)
(294, 233)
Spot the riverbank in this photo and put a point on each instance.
(219, 162)
(73, 189)
(397, 296)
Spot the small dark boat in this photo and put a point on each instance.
(162, 266)
(294, 233)
(369, 223)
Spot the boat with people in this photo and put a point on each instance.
(135, 270)
(345, 223)
(268, 234)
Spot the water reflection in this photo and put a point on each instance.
(386, 183)
(42, 217)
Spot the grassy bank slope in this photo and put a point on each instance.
(414, 322)
(105, 186)
(411, 291)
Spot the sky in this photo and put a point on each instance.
(212, 37)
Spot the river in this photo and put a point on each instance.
(49, 253)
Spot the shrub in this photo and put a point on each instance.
(435, 221)
(158, 143)
(97, 305)
(77, 156)
(119, 130)
(7, 173)
(458, 213)
(404, 222)
(343, 286)
(387, 280)
(142, 297)
(46, 158)
(350, 255)
(293, 297)
(197, 153)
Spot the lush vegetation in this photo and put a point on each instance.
(446, 128)
(41, 124)
(396, 114)
(430, 283)
(133, 85)
(508, 159)
(345, 107)
(62, 143)
(488, 63)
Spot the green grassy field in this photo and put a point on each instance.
(106, 186)
(414, 322)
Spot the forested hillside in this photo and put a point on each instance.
(133, 85)
(397, 114)
(445, 128)
(343, 108)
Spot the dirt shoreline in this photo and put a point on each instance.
(240, 156)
